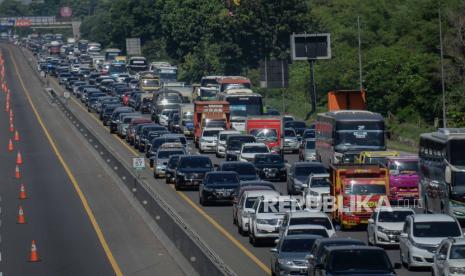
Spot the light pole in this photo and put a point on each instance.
(444, 119)
(359, 54)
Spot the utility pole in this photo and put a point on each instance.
(359, 54)
(444, 119)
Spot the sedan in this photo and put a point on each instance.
(218, 187)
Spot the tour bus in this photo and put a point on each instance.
(166, 71)
(342, 135)
(117, 68)
(111, 54)
(442, 171)
(137, 64)
(233, 82)
(242, 103)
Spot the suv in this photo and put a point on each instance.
(354, 260)
(170, 169)
(218, 186)
(298, 174)
(306, 217)
(234, 143)
(208, 139)
(318, 187)
(249, 150)
(115, 115)
(421, 236)
(221, 141)
(385, 225)
(270, 166)
(307, 150)
(162, 157)
(191, 170)
(268, 213)
(450, 257)
(245, 170)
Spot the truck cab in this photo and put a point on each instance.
(268, 130)
(403, 178)
(357, 190)
(210, 114)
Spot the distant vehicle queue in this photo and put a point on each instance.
(343, 158)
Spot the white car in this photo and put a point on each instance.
(291, 142)
(306, 229)
(385, 225)
(75, 67)
(208, 139)
(248, 151)
(164, 117)
(307, 217)
(318, 186)
(121, 77)
(221, 144)
(245, 207)
(267, 216)
(421, 236)
(450, 258)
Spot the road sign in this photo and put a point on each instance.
(133, 46)
(274, 73)
(66, 12)
(310, 46)
(23, 23)
(66, 95)
(138, 163)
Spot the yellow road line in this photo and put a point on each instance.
(83, 199)
(211, 220)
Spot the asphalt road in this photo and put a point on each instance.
(68, 242)
(212, 223)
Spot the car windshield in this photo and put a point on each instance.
(310, 145)
(319, 232)
(309, 134)
(268, 159)
(394, 216)
(365, 189)
(297, 245)
(457, 252)
(196, 163)
(246, 168)
(289, 133)
(127, 120)
(376, 160)
(436, 229)
(255, 149)
(250, 201)
(265, 134)
(280, 206)
(359, 261)
(404, 166)
(210, 133)
(307, 170)
(150, 82)
(165, 154)
(312, 220)
(222, 178)
(320, 183)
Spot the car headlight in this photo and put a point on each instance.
(285, 262)
(313, 193)
(262, 221)
(381, 229)
(180, 174)
(456, 270)
(208, 189)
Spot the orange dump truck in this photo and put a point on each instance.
(210, 114)
(346, 100)
(357, 189)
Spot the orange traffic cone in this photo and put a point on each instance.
(17, 174)
(22, 192)
(19, 159)
(34, 256)
(16, 136)
(12, 128)
(10, 146)
(21, 217)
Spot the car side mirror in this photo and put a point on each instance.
(397, 265)
(274, 250)
(441, 257)
(371, 221)
(403, 235)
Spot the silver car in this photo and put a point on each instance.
(291, 142)
(162, 157)
(123, 124)
(449, 259)
(307, 150)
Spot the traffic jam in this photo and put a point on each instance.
(305, 191)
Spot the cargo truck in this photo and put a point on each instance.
(149, 82)
(346, 100)
(357, 190)
(268, 130)
(186, 116)
(210, 114)
(403, 178)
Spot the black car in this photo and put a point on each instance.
(298, 126)
(143, 137)
(191, 170)
(218, 186)
(174, 123)
(270, 167)
(298, 174)
(115, 115)
(170, 170)
(234, 143)
(245, 170)
(308, 134)
(105, 114)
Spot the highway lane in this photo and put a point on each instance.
(131, 235)
(219, 214)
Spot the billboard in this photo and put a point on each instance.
(310, 46)
(66, 12)
(23, 23)
(274, 73)
(133, 46)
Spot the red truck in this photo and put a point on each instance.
(346, 100)
(210, 114)
(266, 129)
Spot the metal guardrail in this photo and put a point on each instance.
(203, 259)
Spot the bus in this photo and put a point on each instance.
(111, 54)
(233, 82)
(117, 68)
(442, 171)
(242, 103)
(137, 64)
(82, 46)
(342, 135)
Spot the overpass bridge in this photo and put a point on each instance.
(41, 22)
